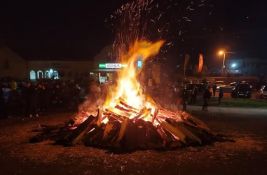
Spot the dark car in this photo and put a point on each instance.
(263, 92)
(242, 90)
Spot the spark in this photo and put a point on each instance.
(187, 19)
(190, 8)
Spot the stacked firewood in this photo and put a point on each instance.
(164, 130)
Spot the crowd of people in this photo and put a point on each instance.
(203, 94)
(180, 95)
(32, 99)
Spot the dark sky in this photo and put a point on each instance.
(67, 30)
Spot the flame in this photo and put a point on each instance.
(128, 90)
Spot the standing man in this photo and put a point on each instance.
(214, 87)
(220, 96)
(194, 95)
(206, 97)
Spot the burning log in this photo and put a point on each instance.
(111, 114)
(110, 135)
(155, 115)
(130, 134)
(122, 102)
(126, 109)
(122, 130)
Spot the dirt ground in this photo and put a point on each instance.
(247, 155)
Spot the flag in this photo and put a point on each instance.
(200, 63)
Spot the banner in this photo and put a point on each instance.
(200, 63)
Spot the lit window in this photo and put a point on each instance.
(32, 75)
(55, 75)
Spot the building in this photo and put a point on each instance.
(12, 65)
(247, 66)
(58, 69)
(15, 67)
(103, 67)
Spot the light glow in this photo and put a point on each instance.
(128, 90)
(221, 52)
(233, 65)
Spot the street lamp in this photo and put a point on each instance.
(222, 53)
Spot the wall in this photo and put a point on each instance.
(12, 65)
(66, 69)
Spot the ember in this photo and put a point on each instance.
(129, 119)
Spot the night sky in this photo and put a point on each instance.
(77, 30)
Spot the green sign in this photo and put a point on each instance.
(102, 66)
(111, 65)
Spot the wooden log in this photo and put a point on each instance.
(127, 106)
(127, 110)
(155, 115)
(108, 128)
(134, 137)
(110, 113)
(169, 141)
(41, 137)
(47, 128)
(70, 138)
(205, 135)
(99, 116)
(94, 137)
(152, 138)
(144, 113)
(114, 117)
(111, 132)
(194, 138)
(122, 130)
(90, 126)
(139, 114)
(47, 132)
(195, 121)
(165, 136)
(174, 130)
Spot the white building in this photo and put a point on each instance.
(14, 66)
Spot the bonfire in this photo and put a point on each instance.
(129, 119)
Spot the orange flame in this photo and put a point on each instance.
(128, 89)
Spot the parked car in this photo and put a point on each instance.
(229, 87)
(220, 84)
(242, 90)
(233, 84)
(263, 91)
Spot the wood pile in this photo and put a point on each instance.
(166, 130)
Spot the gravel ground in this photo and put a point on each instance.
(247, 155)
